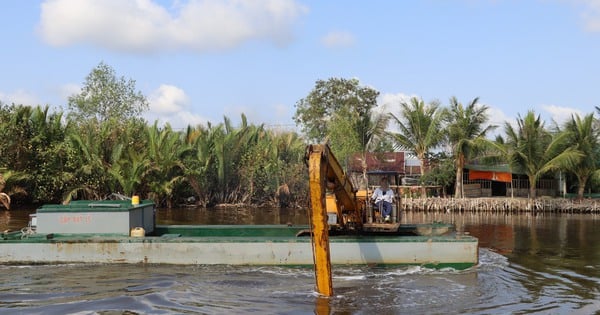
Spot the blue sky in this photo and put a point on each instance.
(200, 60)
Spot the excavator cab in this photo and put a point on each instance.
(347, 209)
(373, 180)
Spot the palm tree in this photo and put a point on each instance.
(128, 169)
(291, 171)
(500, 152)
(583, 134)
(48, 164)
(89, 174)
(16, 136)
(466, 134)
(198, 161)
(165, 152)
(534, 151)
(420, 128)
(229, 145)
(373, 131)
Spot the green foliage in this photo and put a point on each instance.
(534, 151)
(102, 146)
(420, 128)
(34, 147)
(314, 113)
(341, 111)
(442, 172)
(584, 135)
(467, 129)
(105, 97)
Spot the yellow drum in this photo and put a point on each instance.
(138, 232)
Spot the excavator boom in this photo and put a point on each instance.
(326, 174)
(329, 172)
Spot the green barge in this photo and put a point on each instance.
(115, 231)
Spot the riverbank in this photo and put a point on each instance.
(501, 204)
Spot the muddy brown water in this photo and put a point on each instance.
(529, 264)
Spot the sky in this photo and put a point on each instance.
(200, 60)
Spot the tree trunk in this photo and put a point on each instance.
(532, 190)
(364, 166)
(512, 189)
(458, 186)
(195, 187)
(581, 188)
(423, 190)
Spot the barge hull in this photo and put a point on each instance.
(458, 251)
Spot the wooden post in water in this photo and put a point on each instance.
(320, 228)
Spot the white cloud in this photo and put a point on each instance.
(391, 102)
(184, 118)
(19, 97)
(498, 117)
(179, 120)
(591, 15)
(271, 115)
(146, 26)
(168, 99)
(170, 104)
(560, 114)
(336, 39)
(69, 89)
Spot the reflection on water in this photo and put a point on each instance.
(232, 216)
(4, 220)
(541, 263)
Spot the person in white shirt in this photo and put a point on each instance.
(383, 197)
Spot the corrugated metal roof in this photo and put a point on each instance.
(388, 161)
(490, 168)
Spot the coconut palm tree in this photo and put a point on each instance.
(420, 128)
(583, 134)
(373, 132)
(467, 128)
(534, 151)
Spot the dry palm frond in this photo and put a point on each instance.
(5, 200)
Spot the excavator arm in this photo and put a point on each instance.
(326, 175)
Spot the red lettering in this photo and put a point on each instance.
(75, 219)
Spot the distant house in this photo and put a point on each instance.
(385, 161)
(399, 167)
(499, 180)
(388, 164)
(479, 180)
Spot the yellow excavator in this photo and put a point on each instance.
(340, 211)
(348, 209)
(336, 207)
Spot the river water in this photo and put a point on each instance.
(529, 264)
